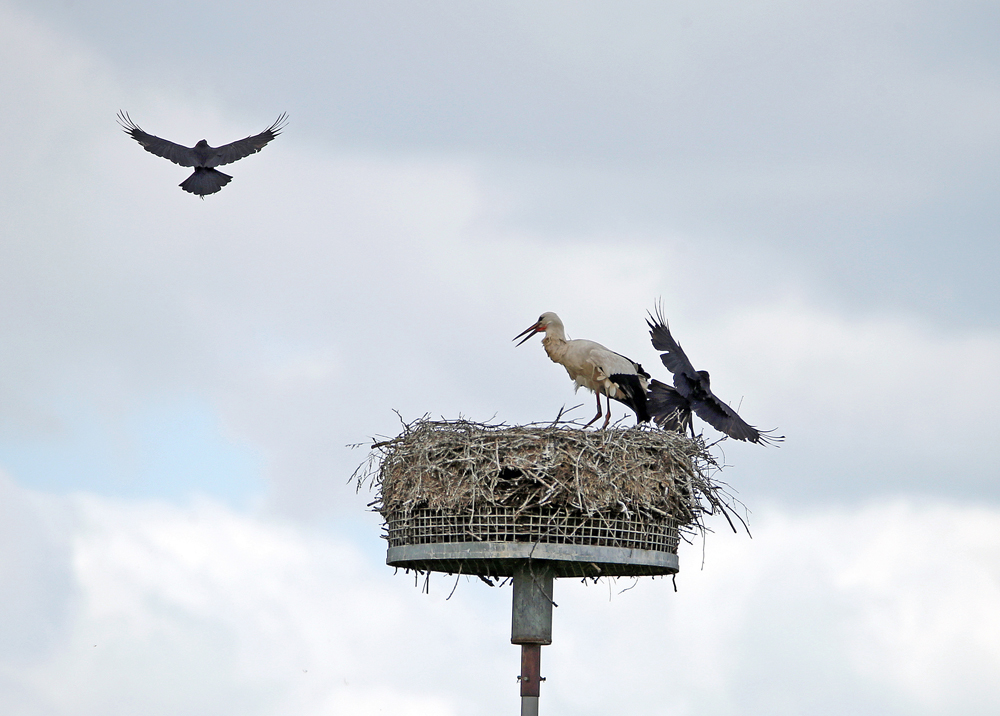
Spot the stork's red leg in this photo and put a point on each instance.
(599, 413)
(607, 419)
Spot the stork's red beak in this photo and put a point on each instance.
(529, 332)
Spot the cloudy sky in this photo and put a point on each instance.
(809, 188)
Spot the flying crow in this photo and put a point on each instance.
(671, 407)
(206, 178)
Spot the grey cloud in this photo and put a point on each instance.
(37, 590)
(205, 610)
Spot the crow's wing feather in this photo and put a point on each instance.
(724, 419)
(673, 357)
(229, 153)
(177, 153)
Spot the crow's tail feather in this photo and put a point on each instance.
(205, 181)
(670, 410)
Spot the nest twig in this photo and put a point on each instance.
(459, 466)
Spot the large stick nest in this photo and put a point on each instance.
(462, 466)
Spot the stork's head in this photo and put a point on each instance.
(544, 321)
(202, 144)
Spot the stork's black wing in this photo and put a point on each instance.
(633, 394)
(177, 153)
(724, 419)
(229, 153)
(670, 410)
(673, 357)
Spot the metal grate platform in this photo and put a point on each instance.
(489, 542)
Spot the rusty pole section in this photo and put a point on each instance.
(531, 668)
(531, 680)
(531, 626)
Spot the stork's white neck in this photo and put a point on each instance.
(554, 330)
(555, 342)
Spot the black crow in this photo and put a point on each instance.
(206, 178)
(671, 407)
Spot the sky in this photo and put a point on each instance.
(187, 386)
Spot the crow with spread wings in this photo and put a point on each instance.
(671, 408)
(206, 178)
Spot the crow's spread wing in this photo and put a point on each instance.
(229, 153)
(724, 419)
(178, 154)
(673, 357)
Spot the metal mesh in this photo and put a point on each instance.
(426, 526)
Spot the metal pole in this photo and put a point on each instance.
(531, 667)
(531, 626)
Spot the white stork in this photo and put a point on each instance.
(593, 366)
